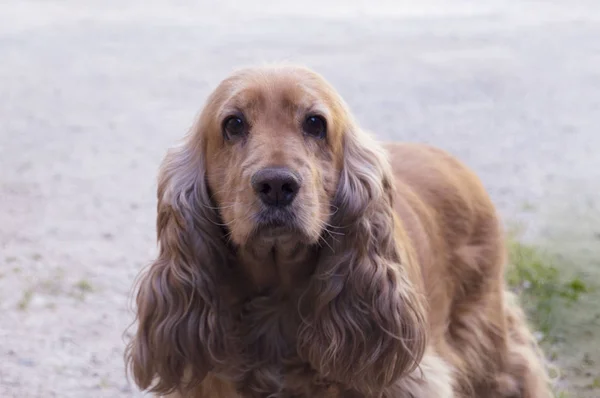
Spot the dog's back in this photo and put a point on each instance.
(452, 224)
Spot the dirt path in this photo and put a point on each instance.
(91, 96)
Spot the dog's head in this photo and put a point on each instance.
(276, 156)
(273, 153)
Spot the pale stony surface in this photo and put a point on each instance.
(93, 92)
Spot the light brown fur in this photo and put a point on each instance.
(386, 282)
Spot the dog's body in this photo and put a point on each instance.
(389, 283)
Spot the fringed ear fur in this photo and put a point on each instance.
(365, 325)
(179, 325)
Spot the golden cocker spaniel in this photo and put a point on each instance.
(300, 258)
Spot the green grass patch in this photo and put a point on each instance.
(535, 276)
(84, 286)
(23, 304)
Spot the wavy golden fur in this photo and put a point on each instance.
(382, 276)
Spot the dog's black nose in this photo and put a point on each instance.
(276, 186)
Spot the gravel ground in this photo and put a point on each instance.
(92, 93)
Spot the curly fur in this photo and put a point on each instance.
(386, 282)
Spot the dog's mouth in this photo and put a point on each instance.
(276, 222)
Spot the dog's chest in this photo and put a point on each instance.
(269, 326)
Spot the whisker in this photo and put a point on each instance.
(334, 226)
(334, 232)
(325, 241)
(218, 207)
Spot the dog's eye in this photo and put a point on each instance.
(315, 126)
(234, 126)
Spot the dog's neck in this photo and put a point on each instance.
(281, 264)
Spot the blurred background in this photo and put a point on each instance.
(93, 92)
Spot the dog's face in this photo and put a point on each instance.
(273, 154)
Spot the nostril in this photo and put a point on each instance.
(265, 189)
(287, 188)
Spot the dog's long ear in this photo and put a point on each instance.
(179, 325)
(366, 324)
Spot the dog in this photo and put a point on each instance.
(298, 258)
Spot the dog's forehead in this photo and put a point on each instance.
(276, 90)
